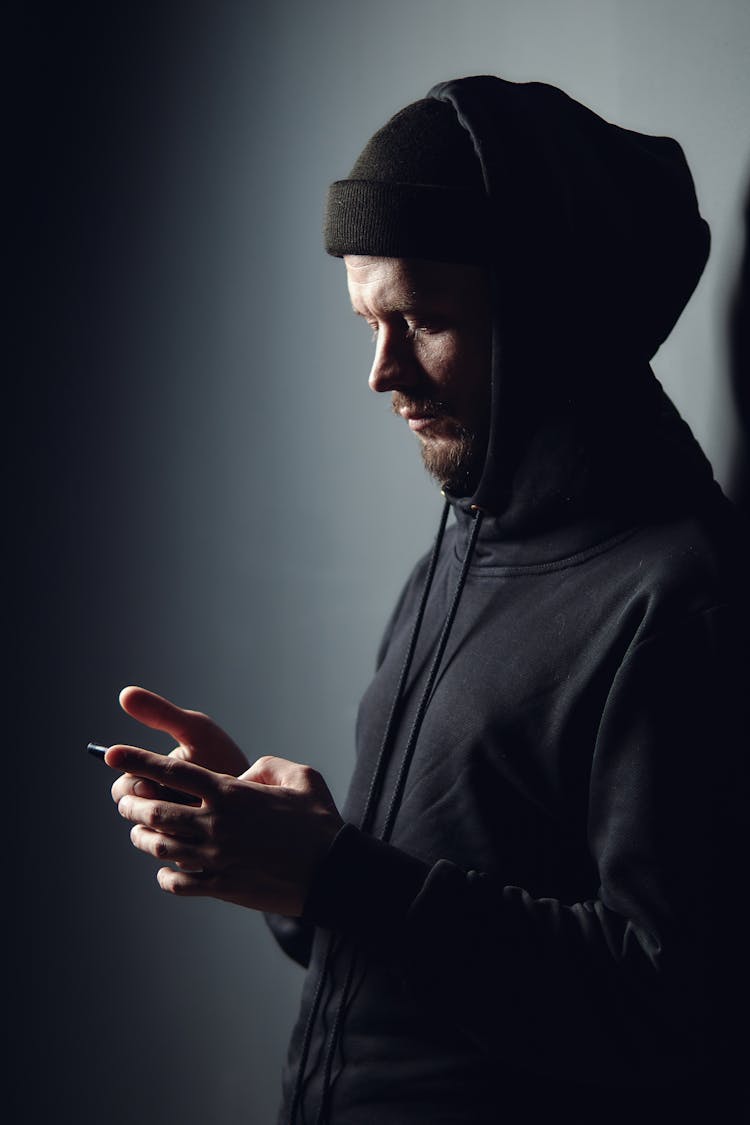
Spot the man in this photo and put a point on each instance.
(530, 900)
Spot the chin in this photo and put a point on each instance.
(456, 464)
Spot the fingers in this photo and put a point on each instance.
(165, 769)
(168, 849)
(230, 885)
(185, 883)
(128, 783)
(233, 885)
(162, 816)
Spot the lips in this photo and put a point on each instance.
(414, 410)
(418, 421)
(421, 418)
(423, 415)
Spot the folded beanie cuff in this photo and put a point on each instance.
(398, 220)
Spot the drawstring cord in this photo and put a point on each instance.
(390, 729)
(408, 754)
(338, 1023)
(398, 790)
(309, 1024)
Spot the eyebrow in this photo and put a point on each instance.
(395, 310)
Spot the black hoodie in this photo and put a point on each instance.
(539, 908)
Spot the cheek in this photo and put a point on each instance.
(443, 363)
(469, 377)
(457, 368)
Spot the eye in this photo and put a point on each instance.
(418, 329)
(423, 326)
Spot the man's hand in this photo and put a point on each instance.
(254, 840)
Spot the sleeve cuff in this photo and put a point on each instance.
(363, 890)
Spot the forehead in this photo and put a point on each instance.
(404, 281)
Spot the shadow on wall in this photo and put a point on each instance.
(739, 345)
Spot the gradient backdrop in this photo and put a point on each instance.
(212, 504)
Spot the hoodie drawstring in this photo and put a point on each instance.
(390, 729)
(408, 754)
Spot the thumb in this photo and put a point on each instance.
(279, 771)
(161, 714)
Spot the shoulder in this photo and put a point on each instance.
(681, 574)
(675, 568)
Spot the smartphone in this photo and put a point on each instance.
(173, 795)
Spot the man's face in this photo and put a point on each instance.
(431, 323)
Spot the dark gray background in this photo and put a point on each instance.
(211, 504)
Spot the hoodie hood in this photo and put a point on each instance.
(595, 227)
(596, 246)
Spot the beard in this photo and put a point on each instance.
(455, 459)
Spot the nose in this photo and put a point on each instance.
(394, 367)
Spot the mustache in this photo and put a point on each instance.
(424, 407)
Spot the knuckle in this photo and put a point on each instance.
(226, 785)
(171, 765)
(156, 815)
(211, 828)
(263, 761)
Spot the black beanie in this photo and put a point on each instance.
(416, 191)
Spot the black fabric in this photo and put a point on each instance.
(557, 921)
(424, 143)
(562, 900)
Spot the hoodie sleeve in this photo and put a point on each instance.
(639, 983)
(293, 935)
